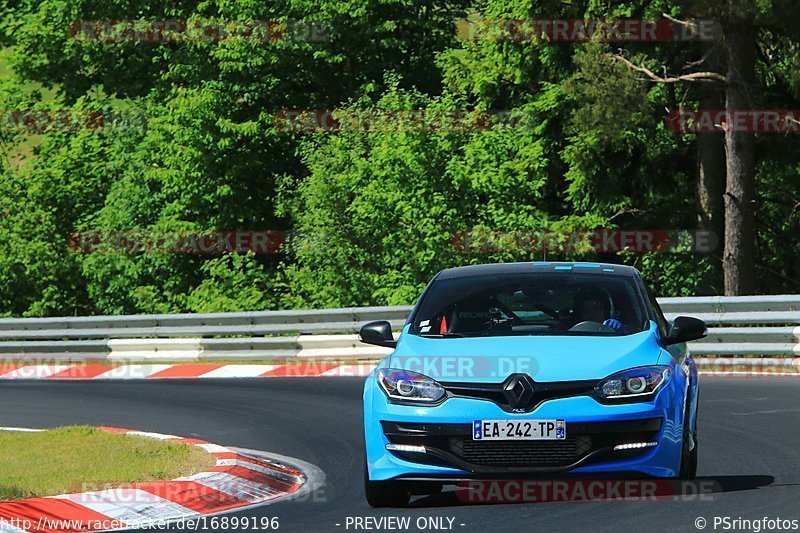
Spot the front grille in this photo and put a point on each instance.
(519, 392)
(452, 445)
(553, 453)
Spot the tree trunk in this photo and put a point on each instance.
(711, 181)
(739, 256)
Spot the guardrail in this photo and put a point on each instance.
(750, 325)
(742, 325)
(191, 337)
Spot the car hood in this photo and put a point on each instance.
(544, 357)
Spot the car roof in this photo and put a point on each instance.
(538, 267)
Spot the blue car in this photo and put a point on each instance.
(530, 369)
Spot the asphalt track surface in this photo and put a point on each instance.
(749, 449)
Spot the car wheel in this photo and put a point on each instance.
(692, 472)
(688, 468)
(384, 493)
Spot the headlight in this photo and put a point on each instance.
(634, 383)
(409, 386)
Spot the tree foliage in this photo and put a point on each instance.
(577, 142)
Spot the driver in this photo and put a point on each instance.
(592, 305)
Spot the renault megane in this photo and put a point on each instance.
(508, 370)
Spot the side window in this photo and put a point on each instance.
(663, 325)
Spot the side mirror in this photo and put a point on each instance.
(378, 333)
(685, 329)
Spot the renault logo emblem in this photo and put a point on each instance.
(518, 390)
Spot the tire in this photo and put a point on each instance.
(688, 468)
(692, 469)
(693, 460)
(384, 493)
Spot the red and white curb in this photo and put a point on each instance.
(707, 366)
(181, 371)
(239, 479)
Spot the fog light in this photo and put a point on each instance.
(635, 445)
(405, 448)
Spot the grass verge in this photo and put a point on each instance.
(82, 458)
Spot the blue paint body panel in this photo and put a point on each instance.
(545, 358)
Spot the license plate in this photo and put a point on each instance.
(519, 430)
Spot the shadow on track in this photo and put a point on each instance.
(489, 492)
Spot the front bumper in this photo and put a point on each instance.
(593, 429)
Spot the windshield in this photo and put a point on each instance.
(531, 304)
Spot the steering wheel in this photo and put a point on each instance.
(587, 326)
(611, 312)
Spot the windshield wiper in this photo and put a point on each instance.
(442, 335)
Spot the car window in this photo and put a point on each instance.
(663, 325)
(529, 304)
